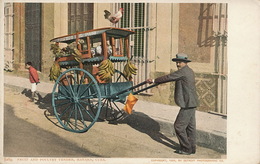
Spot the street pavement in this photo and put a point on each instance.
(24, 139)
(31, 132)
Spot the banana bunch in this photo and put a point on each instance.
(57, 52)
(70, 49)
(129, 70)
(77, 55)
(106, 70)
(55, 48)
(54, 71)
(75, 52)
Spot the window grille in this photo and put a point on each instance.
(8, 36)
(135, 17)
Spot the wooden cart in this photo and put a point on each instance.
(79, 97)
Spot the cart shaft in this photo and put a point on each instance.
(133, 87)
(141, 90)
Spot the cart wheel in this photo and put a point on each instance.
(73, 95)
(110, 110)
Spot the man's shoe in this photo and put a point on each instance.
(182, 152)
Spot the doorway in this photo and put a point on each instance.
(33, 34)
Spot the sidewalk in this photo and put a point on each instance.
(211, 129)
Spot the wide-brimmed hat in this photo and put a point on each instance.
(181, 57)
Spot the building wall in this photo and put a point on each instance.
(19, 37)
(164, 40)
(48, 31)
(59, 15)
(99, 20)
(184, 28)
(191, 38)
(175, 28)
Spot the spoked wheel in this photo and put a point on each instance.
(111, 110)
(73, 95)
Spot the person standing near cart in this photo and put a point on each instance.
(186, 98)
(34, 79)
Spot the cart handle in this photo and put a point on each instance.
(136, 86)
(141, 90)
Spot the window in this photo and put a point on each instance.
(33, 34)
(8, 36)
(135, 17)
(80, 17)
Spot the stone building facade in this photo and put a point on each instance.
(162, 30)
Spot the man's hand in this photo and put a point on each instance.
(150, 81)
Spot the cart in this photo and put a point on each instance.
(79, 96)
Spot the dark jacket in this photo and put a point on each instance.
(185, 94)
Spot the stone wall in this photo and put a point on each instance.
(19, 37)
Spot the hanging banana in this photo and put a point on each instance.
(54, 71)
(106, 70)
(77, 55)
(129, 70)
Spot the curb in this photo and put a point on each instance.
(204, 138)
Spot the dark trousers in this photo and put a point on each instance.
(185, 128)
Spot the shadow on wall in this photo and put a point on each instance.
(205, 37)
